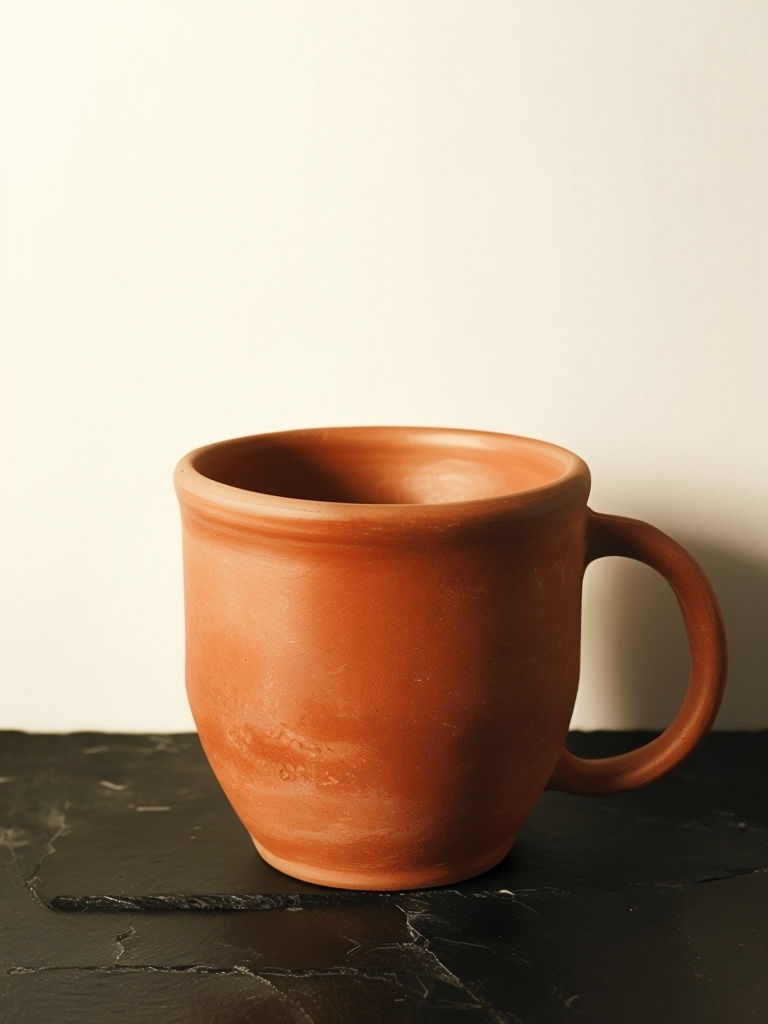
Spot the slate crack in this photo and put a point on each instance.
(117, 968)
(263, 974)
(56, 821)
(121, 941)
(302, 1017)
(712, 879)
(726, 876)
(407, 985)
(420, 942)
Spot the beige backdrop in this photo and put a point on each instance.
(219, 218)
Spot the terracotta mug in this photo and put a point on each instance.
(383, 630)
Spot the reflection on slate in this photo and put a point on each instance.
(649, 905)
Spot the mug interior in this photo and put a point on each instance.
(385, 465)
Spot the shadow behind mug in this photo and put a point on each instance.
(383, 629)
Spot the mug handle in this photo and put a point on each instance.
(630, 538)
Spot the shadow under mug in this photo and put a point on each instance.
(382, 643)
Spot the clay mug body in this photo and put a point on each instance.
(383, 629)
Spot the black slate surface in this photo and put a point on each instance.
(130, 892)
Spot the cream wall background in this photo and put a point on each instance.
(220, 218)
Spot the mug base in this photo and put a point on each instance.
(382, 881)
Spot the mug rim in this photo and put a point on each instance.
(215, 501)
